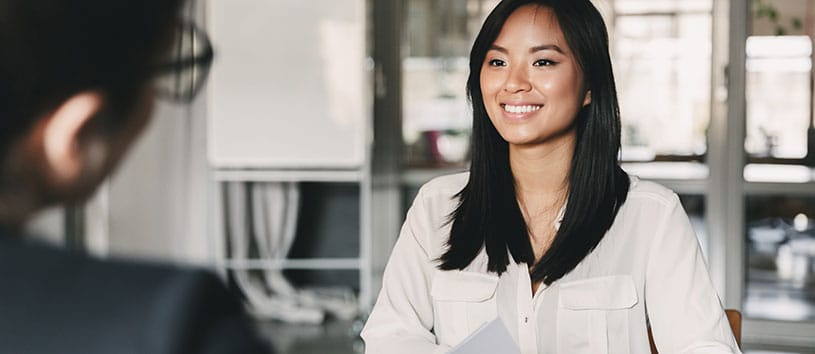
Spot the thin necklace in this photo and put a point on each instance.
(558, 201)
(546, 213)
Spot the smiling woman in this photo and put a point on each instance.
(546, 232)
(531, 84)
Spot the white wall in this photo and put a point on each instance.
(288, 85)
(157, 199)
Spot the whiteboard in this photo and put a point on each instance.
(288, 88)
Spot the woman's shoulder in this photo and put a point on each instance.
(445, 184)
(444, 187)
(643, 192)
(429, 217)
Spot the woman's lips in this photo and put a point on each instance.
(519, 111)
(526, 108)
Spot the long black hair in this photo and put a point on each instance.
(488, 214)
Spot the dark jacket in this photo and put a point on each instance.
(54, 301)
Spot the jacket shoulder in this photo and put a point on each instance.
(118, 305)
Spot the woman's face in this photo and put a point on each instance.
(531, 83)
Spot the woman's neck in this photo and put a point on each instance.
(542, 169)
(541, 175)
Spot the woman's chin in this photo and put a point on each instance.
(520, 140)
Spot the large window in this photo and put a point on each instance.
(778, 96)
(780, 258)
(778, 145)
(662, 53)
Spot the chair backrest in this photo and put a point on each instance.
(733, 316)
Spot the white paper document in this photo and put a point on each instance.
(491, 338)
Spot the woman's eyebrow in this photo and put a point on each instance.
(534, 49)
(546, 47)
(499, 49)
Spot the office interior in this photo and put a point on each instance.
(291, 175)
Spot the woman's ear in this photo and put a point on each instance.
(587, 98)
(64, 151)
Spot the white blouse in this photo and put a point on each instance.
(647, 268)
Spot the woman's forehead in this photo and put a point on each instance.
(531, 25)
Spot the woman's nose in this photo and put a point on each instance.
(517, 81)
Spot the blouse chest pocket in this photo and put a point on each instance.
(593, 315)
(462, 302)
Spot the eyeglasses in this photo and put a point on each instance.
(186, 72)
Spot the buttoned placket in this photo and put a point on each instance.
(527, 311)
(528, 303)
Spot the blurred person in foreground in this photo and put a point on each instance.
(77, 85)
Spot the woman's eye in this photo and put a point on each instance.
(544, 62)
(496, 62)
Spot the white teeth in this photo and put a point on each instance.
(521, 109)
